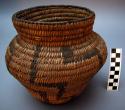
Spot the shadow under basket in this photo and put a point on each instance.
(56, 52)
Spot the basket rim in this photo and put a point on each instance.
(84, 19)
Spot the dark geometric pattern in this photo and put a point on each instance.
(115, 68)
(34, 64)
(68, 56)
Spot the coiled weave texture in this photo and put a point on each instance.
(56, 52)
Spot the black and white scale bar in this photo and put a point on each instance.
(115, 69)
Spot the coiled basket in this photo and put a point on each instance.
(56, 52)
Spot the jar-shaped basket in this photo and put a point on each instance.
(56, 52)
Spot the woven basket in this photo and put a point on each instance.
(56, 52)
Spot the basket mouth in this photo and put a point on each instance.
(54, 14)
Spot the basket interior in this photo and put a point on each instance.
(54, 14)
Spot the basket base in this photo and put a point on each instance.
(43, 98)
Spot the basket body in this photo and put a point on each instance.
(55, 53)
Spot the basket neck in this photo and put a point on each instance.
(64, 25)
